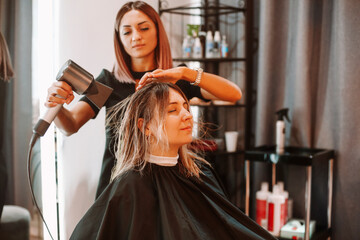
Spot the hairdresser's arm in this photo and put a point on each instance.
(212, 86)
(68, 121)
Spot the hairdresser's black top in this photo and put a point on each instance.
(162, 203)
(122, 91)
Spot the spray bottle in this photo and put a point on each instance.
(280, 129)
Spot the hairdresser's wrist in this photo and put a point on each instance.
(189, 74)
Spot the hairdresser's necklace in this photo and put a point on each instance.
(163, 161)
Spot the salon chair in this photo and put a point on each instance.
(15, 223)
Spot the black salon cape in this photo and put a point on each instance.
(164, 204)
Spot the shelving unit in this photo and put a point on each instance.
(302, 157)
(219, 15)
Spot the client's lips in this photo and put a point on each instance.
(187, 128)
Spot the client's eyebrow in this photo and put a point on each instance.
(176, 103)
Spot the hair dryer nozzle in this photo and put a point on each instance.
(82, 82)
(77, 77)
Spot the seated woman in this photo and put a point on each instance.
(160, 188)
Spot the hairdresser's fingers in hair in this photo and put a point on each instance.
(170, 75)
(156, 71)
(144, 78)
(147, 81)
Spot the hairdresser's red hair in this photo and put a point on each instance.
(162, 51)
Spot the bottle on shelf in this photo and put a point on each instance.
(186, 47)
(286, 196)
(280, 129)
(209, 45)
(224, 48)
(261, 204)
(197, 48)
(217, 43)
(276, 203)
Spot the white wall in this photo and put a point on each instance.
(85, 35)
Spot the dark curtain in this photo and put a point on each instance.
(16, 26)
(308, 61)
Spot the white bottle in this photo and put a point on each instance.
(197, 48)
(280, 136)
(280, 130)
(261, 204)
(217, 43)
(286, 196)
(209, 45)
(224, 48)
(275, 208)
(186, 46)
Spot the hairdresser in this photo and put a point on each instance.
(143, 55)
(6, 72)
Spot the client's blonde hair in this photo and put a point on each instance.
(132, 145)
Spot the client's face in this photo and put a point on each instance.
(178, 121)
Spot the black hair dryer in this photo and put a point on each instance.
(83, 83)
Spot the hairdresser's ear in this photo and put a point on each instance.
(140, 126)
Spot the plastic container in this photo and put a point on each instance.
(209, 45)
(186, 47)
(286, 196)
(276, 208)
(197, 49)
(224, 48)
(280, 129)
(217, 44)
(261, 204)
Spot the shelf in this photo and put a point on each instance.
(209, 59)
(291, 155)
(223, 152)
(185, 10)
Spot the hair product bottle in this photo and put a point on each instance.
(197, 49)
(286, 196)
(186, 47)
(224, 47)
(280, 130)
(217, 44)
(209, 45)
(276, 203)
(261, 204)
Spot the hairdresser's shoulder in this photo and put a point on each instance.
(105, 76)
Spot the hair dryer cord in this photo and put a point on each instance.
(33, 140)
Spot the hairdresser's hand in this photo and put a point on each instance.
(59, 93)
(170, 75)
